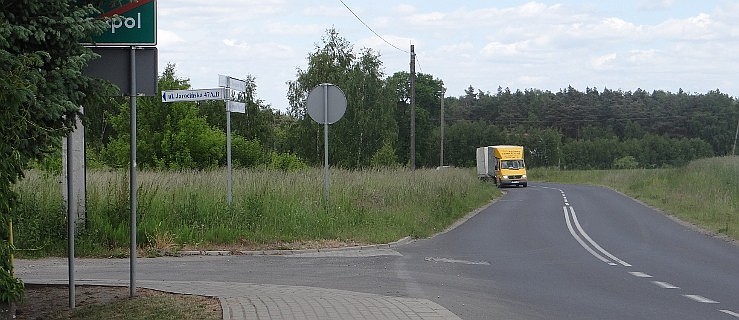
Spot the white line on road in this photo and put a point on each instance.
(584, 234)
(698, 298)
(582, 243)
(485, 263)
(665, 285)
(640, 274)
(731, 313)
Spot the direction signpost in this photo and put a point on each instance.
(232, 86)
(229, 87)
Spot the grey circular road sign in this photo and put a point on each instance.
(326, 103)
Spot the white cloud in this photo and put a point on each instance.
(291, 29)
(643, 56)
(235, 43)
(545, 44)
(700, 27)
(494, 49)
(327, 11)
(405, 9)
(652, 5)
(603, 62)
(168, 38)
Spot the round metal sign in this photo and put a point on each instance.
(326, 103)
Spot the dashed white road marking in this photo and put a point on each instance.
(698, 298)
(485, 263)
(665, 285)
(640, 274)
(731, 313)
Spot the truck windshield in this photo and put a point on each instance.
(511, 164)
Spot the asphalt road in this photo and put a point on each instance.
(543, 252)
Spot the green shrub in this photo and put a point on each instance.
(627, 162)
(286, 162)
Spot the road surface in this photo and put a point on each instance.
(548, 251)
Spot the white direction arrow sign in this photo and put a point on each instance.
(234, 106)
(193, 95)
(232, 83)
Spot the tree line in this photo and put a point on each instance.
(568, 129)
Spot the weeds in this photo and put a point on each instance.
(188, 209)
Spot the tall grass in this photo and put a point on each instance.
(704, 192)
(189, 208)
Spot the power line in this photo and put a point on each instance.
(370, 29)
(418, 62)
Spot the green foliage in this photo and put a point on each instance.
(368, 120)
(285, 162)
(427, 112)
(626, 162)
(662, 118)
(12, 287)
(42, 85)
(385, 157)
(651, 151)
(188, 208)
(247, 153)
(186, 135)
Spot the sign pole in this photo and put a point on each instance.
(228, 153)
(325, 143)
(71, 221)
(132, 285)
(318, 108)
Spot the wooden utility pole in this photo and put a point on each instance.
(413, 108)
(733, 150)
(441, 154)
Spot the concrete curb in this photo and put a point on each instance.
(400, 242)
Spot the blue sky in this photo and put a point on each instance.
(621, 45)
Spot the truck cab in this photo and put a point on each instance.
(503, 164)
(510, 172)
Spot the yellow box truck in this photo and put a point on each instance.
(502, 164)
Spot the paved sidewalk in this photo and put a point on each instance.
(241, 301)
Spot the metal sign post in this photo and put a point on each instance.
(325, 144)
(70, 223)
(132, 187)
(130, 24)
(326, 104)
(238, 85)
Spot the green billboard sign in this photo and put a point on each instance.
(132, 22)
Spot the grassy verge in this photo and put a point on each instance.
(189, 209)
(705, 192)
(163, 307)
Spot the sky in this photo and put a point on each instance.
(549, 45)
